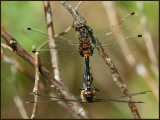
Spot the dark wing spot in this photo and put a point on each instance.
(28, 28)
(132, 13)
(139, 35)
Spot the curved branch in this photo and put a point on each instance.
(45, 73)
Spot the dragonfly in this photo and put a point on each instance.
(86, 45)
(83, 98)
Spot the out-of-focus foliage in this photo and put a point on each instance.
(17, 15)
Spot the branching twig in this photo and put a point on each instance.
(35, 89)
(59, 86)
(114, 72)
(53, 51)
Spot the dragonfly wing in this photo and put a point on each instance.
(116, 49)
(68, 53)
(66, 48)
(116, 98)
(68, 100)
(38, 36)
(121, 47)
(113, 100)
(127, 25)
(131, 38)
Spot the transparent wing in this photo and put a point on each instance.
(119, 38)
(116, 98)
(127, 25)
(55, 99)
(38, 36)
(67, 49)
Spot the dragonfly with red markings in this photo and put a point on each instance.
(85, 46)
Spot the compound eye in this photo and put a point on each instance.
(84, 93)
(83, 29)
(93, 92)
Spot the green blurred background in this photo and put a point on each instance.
(17, 15)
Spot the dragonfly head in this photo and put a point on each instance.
(88, 95)
(80, 26)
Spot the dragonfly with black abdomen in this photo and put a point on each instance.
(84, 46)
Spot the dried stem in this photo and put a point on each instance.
(35, 89)
(113, 70)
(54, 56)
(80, 2)
(139, 67)
(58, 85)
(6, 46)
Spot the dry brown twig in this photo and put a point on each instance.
(60, 87)
(35, 89)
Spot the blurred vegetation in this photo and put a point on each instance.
(17, 15)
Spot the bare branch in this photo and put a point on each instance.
(54, 56)
(58, 85)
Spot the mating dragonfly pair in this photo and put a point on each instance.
(85, 46)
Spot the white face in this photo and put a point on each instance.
(84, 95)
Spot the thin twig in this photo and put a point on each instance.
(80, 2)
(53, 51)
(114, 72)
(58, 85)
(35, 89)
(6, 46)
